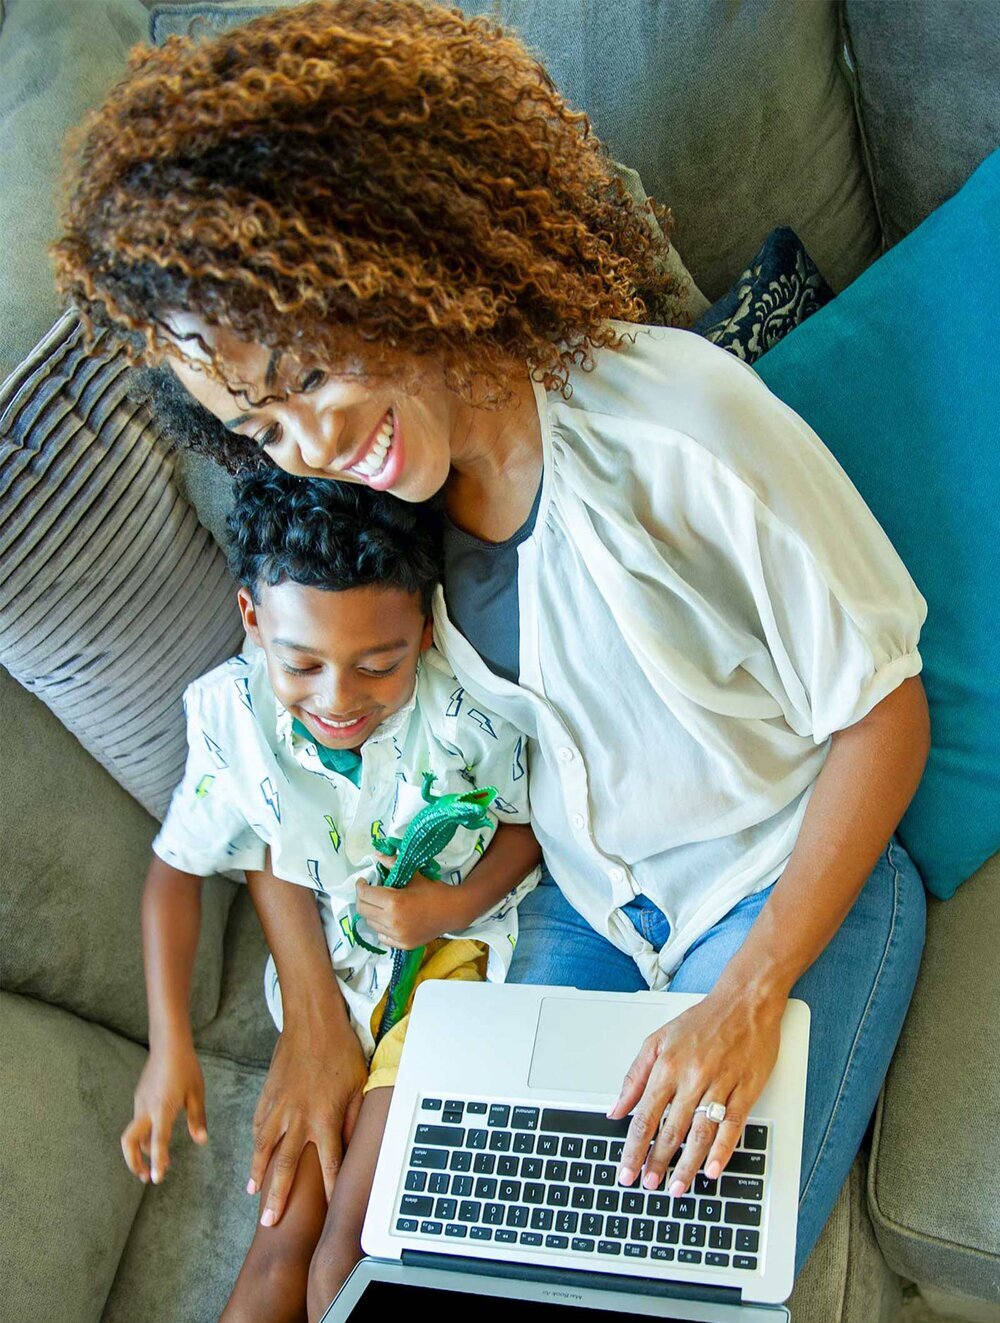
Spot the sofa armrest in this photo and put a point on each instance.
(934, 1176)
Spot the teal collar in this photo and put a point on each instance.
(347, 762)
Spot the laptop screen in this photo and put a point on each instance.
(404, 1300)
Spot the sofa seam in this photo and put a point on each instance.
(848, 62)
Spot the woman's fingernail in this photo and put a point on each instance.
(712, 1170)
(251, 1187)
(626, 1176)
(267, 1219)
(676, 1188)
(651, 1180)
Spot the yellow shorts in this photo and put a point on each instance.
(456, 958)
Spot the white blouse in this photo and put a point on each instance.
(705, 598)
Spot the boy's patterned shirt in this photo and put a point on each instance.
(253, 786)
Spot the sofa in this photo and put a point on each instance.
(849, 121)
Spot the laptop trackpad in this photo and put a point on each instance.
(587, 1046)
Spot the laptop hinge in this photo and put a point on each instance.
(574, 1277)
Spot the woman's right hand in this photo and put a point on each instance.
(312, 1095)
(171, 1081)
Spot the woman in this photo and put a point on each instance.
(372, 244)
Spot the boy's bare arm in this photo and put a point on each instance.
(422, 910)
(171, 1079)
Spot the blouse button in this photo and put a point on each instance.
(578, 821)
(566, 754)
(617, 874)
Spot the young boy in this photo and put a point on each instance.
(300, 753)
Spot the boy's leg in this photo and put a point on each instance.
(339, 1247)
(272, 1283)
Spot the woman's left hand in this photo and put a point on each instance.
(721, 1050)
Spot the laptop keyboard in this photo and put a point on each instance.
(545, 1178)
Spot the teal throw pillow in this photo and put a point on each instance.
(899, 376)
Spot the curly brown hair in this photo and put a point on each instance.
(388, 172)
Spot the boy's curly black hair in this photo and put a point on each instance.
(331, 535)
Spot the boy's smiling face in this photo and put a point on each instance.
(341, 662)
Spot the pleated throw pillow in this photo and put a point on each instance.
(112, 595)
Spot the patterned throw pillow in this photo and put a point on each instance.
(779, 289)
(114, 596)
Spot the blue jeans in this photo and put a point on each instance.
(858, 991)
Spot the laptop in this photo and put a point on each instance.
(496, 1186)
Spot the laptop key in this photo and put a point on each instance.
(605, 1175)
(493, 1214)
(439, 1183)
(531, 1168)
(517, 1215)
(616, 1227)
(582, 1245)
(510, 1191)
(580, 1173)
(745, 1262)
(684, 1207)
(668, 1233)
(450, 1136)
(609, 1247)
(454, 1104)
(524, 1118)
(484, 1163)
(524, 1142)
(596, 1150)
(558, 1196)
(431, 1228)
(607, 1200)
(556, 1242)
(755, 1137)
(530, 1238)
(415, 1205)
(456, 1230)
(451, 1118)
(416, 1180)
(477, 1108)
(615, 1150)
(592, 1224)
(500, 1141)
(406, 1224)
(542, 1219)
(486, 1188)
(499, 1114)
(429, 1157)
(480, 1233)
(709, 1210)
(445, 1209)
(431, 1104)
(642, 1228)
(461, 1187)
(584, 1198)
(742, 1187)
(504, 1235)
(571, 1146)
(743, 1215)
(469, 1210)
(566, 1221)
(461, 1160)
(636, 1251)
(721, 1238)
(745, 1164)
(658, 1205)
(747, 1242)
(688, 1256)
(507, 1166)
(662, 1253)
(555, 1170)
(717, 1260)
(702, 1185)
(633, 1202)
(477, 1139)
(547, 1145)
(693, 1235)
(534, 1192)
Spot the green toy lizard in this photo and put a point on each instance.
(424, 839)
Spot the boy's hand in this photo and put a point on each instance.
(171, 1080)
(411, 916)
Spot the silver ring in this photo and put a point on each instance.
(714, 1111)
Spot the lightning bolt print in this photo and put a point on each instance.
(214, 750)
(455, 704)
(334, 833)
(503, 806)
(271, 798)
(203, 787)
(313, 866)
(345, 928)
(243, 689)
(481, 719)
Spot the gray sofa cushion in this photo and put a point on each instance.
(75, 848)
(934, 1178)
(69, 1199)
(57, 59)
(114, 596)
(929, 97)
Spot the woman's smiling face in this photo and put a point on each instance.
(316, 424)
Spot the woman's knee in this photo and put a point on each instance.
(335, 1257)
